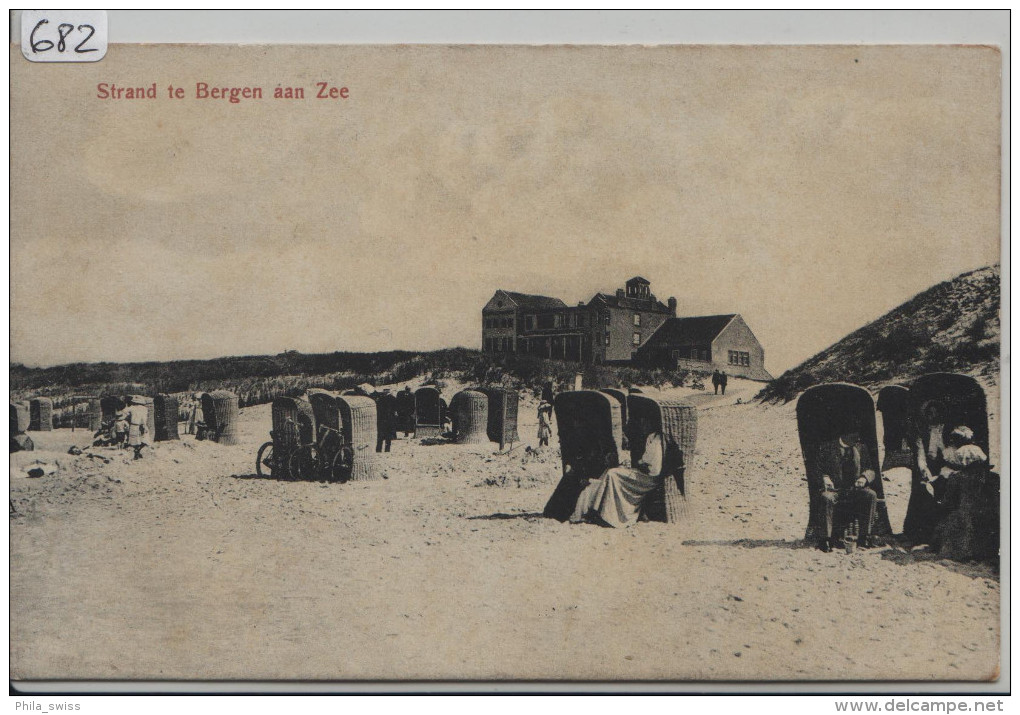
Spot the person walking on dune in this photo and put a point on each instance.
(715, 381)
(722, 381)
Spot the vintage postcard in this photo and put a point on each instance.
(532, 363)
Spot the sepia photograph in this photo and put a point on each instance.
(463, 362)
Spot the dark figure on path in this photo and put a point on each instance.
(722, 381)
(386, 420)
(847, 495)
(405, 411)
(547, 393)
(715, 381)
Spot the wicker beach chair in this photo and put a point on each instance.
(501, 423)
(293, 427)
(470, 410)
(40, 414)
(677, 421)
(358, 424)
(20, 418)
(428, 413)
(621, 397)
(325, 409)
(94, 414)
(825, 413)
(166, 413)
(893, 403)
(220, 410)
(109, 406)
(590, 431)
(960, 401)
(329, 457)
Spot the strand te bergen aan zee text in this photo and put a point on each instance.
(234, 95)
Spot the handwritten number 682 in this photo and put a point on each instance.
(63, 30)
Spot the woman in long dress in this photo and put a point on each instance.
(615, 498)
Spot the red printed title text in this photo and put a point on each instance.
(211, 91)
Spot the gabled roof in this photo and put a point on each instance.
(639, 279)
(614, 301)
(535, 302)
(698, 330)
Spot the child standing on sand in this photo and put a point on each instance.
(544, 423)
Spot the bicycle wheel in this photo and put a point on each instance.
(264, 464)
(340, 468)
(304, 462)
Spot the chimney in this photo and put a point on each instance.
(672, 306)
(619, 292)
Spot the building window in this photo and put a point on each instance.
(745, 359)
(607, 340)
(529, 322)
(676, 354)
(558, 320)
(637, 320)
(637, 339)
(607, 318)
(738, 357)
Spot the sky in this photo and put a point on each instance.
(810, 189)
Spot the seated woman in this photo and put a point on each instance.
(960, 454)
(967, 500)
(615, 498)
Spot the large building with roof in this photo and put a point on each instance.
(628, 326)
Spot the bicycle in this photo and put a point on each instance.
(267, 464)
(329, 458)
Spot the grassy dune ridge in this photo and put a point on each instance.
(953, 326)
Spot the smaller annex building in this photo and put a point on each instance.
(706, 342)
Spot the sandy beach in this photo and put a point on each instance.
(185, 565)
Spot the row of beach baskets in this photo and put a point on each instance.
(219, 409)
(333, 437)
